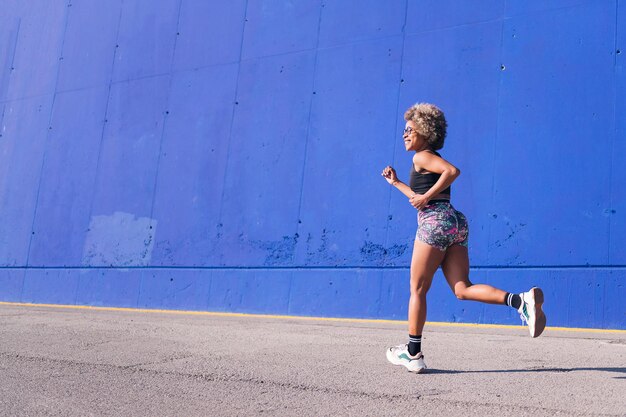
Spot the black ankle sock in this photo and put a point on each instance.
(415, 344)
(513, 300)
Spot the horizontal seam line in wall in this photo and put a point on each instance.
(25, 98)
(462, 25)
(343, 267)
(497, 19)
(325, 48)
(201, 67)
(543, 11)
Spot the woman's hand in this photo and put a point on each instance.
(390, 175)
(419, 201)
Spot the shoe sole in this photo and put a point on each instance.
(391, 358)
(540, 317)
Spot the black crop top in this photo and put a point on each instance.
(420, 183)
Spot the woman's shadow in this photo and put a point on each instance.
(531, 370)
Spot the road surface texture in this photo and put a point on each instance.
(81, 362)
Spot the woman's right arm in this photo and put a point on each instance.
(390, 175)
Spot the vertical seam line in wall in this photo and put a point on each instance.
(207, 302)
(106, 111)
(495, 141)
(4, 108)
(604, 297)
(17, 36)
(77, 287)
(306, 148)
(569, 298)
(164, 118)
(615, 132)
(289, 292)
(232, 118)
(47, 140)
(308, 130)
(393, 155)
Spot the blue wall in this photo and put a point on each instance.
(226, 156)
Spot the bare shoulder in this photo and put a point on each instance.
(422, 159)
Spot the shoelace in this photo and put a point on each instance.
(405, 346)
(402, 347)
(523, 317)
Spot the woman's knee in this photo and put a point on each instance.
(419, 287)
(460, 290)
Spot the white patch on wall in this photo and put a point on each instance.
(120, 239)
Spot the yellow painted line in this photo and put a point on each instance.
(273, 316)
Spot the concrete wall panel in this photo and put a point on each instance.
(109, 287)
(259, 208)
(89, 44)
(130, 146)
(353, 292)
(342, 22)
(192, 167)
(175, 289)
(126, 176)
(9, 31)
(38, 37)
(545, 168)
(209, 34)
(151, 52)
(274, 28)
(252, 291)
(11, 283)
(24, 130)
(617, 210)
(68, 178)
(50, 286)
(349, 142)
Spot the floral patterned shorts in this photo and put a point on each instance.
(441, 226)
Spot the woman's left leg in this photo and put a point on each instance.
(424, 263)
(455, 267)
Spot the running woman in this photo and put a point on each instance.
(441, 238)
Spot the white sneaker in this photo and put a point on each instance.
(399, 355)
(530, 311)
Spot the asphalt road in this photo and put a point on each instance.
(80, 362)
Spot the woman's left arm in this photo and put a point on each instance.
(433, 163)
